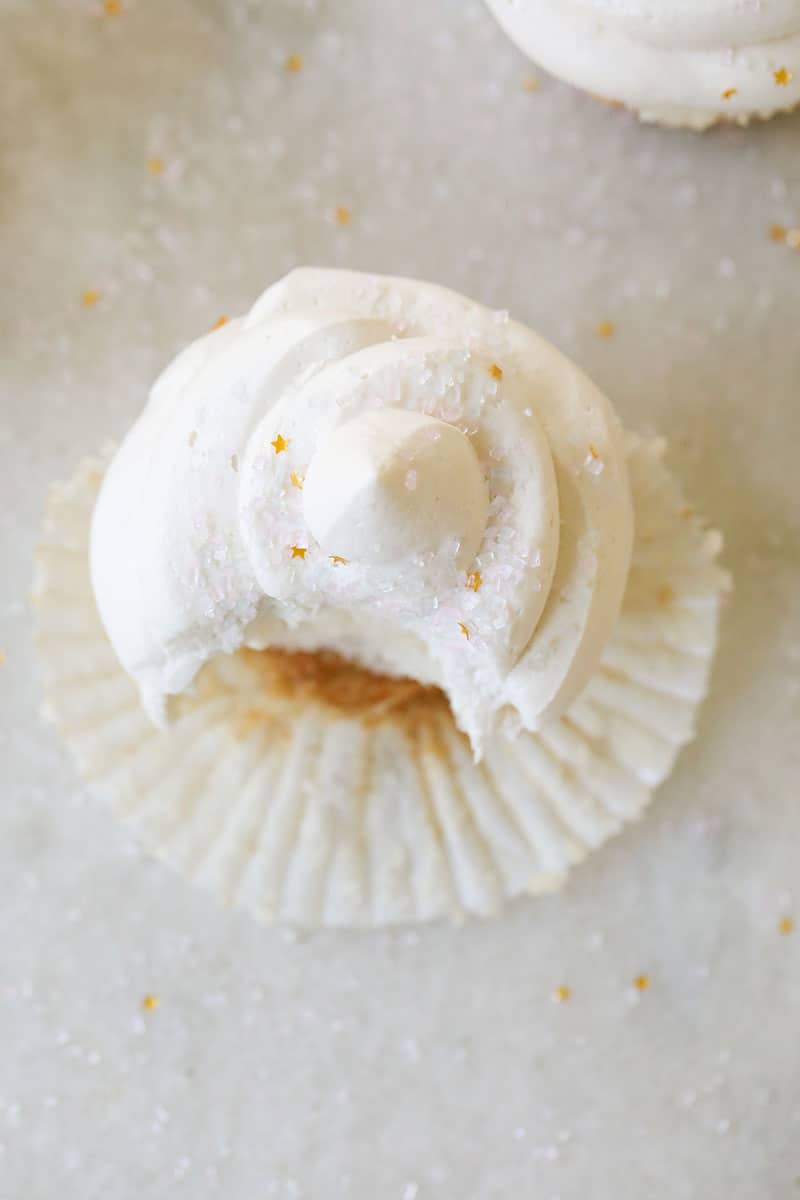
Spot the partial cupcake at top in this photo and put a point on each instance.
(376, 615)
(689, 63)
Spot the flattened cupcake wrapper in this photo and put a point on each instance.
(371, 811)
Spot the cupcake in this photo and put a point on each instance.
(376, 615)
(687, 63)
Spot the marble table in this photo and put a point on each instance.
(159, 165)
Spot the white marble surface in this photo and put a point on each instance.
(407, 1066)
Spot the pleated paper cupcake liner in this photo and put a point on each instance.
(363, 806)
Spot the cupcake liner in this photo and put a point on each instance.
(301, 790)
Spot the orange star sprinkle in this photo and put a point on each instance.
(642, 983)
(220, 321)
(280, 443)
(593, 452)
(496, 372)
(342, 216)
(89, 298)
(463, 629)
(783, 77)
(786, 925)
(297, 480)
(729, 93)
(112, 8)
(474, 581)
(530, 84)
(155, 165)
(561, 994)
(338, 561)
(299, 551)
(777, 233)
(605, 329)
(294, 63)
(150, 1003)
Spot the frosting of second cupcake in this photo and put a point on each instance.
(680, 62)
(378, 467)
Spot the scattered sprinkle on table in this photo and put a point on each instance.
(783, 77)
(777, 233)
(112, 8)
(220, 321)
(641, 983)
(786, 925)
(155, 165)
(605, 329)
(342, 216)
(530, 84)
(729, 93)
(150, 1003)
(496, 372)
(89, 298)
(294, 63)
(561, 994)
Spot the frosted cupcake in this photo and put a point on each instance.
(376, 615)
(689, 63)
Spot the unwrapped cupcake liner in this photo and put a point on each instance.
(303, 790)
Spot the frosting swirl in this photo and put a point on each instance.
(378, 467)
(681, 62)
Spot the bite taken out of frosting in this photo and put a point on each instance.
(378, 467)
(677, 62)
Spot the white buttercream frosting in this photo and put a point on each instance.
(680, 62)
(379, 467)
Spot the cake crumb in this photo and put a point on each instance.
(786, 925)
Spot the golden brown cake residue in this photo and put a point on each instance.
(324, 678)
